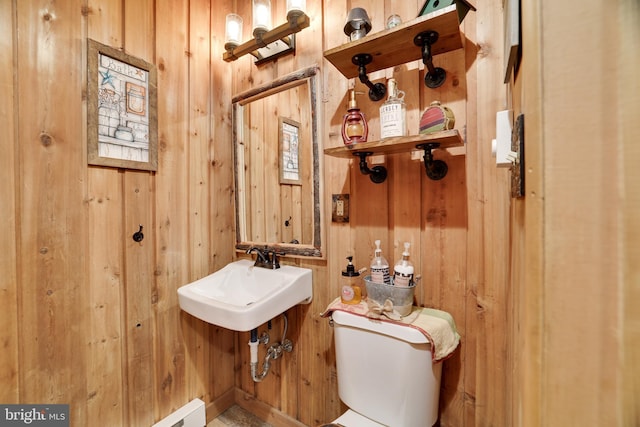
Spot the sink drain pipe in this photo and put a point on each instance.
(273, 352)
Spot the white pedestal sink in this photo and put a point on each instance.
(242, 297)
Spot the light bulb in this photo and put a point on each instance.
(233, 31)
(261, 16)
(295, 8)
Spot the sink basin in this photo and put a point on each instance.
(242, 297)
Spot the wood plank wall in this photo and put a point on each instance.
(577, 276)
(91, 318)
(444, 221)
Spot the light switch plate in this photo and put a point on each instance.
(501, 146)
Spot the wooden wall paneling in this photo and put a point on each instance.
(9, 191)
(106, 354)
(51, 258)
(318, 373)
(199, 188)
(256, 167)
(106, 380)
(221, 231)
(581, 218)
(173, 210)
(270, 389)
(629, 107)
(492, 373)
(475, 219)
(303, 195)
(289, 372)
(105, 22)
(445, 230)
(243, 379)
(286, 211)
(140, 281)
(444, 273)
(400, 209)
(271, 175)
(139, 298)
(528, 302)
(285, 109)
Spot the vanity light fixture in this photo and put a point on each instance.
(266, 44)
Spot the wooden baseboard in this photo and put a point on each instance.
(221, 404)
(264, 411)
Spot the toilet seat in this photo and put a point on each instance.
(353, 419)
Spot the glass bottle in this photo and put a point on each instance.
(393, 113)
(354, 124)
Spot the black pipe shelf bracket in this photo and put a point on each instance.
(435, 169)
(377, 91)
(378, 174)
(435, 76)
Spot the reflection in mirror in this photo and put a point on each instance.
(277, 172)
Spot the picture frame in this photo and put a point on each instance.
(512, 34)
(289, 151)
(122, 118)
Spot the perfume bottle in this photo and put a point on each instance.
(354, 124)
(393, 113)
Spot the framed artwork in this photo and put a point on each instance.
(122, 121)
(512, 51)
(289, 150)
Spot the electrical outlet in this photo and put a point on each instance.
(340, 208)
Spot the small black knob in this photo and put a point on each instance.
(138, 236)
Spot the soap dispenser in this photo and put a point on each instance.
(351, 288)
(380, 267)
(354, 124)
(403, 270)
(393, 113)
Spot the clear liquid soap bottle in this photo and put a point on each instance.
(380, 267)
(393, 113)
(403, 270)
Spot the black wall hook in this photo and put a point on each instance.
(138, 236)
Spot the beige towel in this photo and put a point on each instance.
(437, 325)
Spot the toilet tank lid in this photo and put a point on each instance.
(400, 331)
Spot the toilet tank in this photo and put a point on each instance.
(385, 371)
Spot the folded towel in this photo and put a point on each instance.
(437, 325)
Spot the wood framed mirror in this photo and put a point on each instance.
(277, 166)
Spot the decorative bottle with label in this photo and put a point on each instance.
(403, 270)
(393, 113)
(351, 288)
(380, 267)
(354, 124)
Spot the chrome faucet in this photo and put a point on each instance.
(265, 258)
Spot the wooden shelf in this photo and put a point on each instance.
(401, 144)
(395, 46)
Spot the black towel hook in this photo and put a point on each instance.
(138, 236)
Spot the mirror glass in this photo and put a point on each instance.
(277, 173)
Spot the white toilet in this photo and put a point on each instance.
(385, 373)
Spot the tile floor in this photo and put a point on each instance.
(236, 416)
